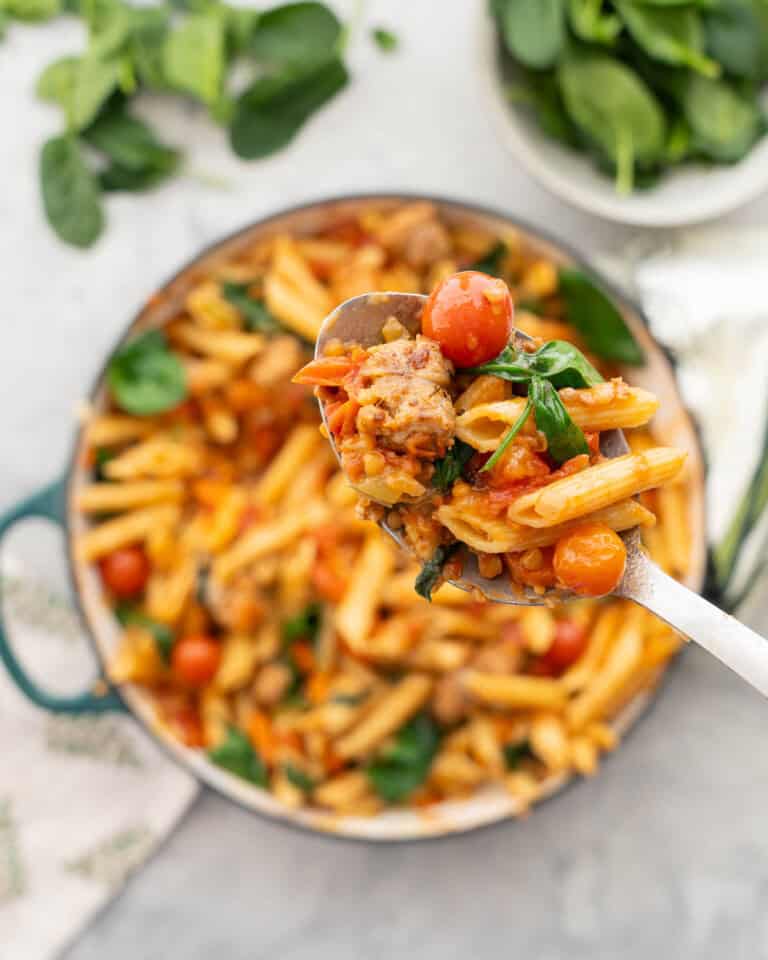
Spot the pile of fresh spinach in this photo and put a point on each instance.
(260, 74)
(640, 85)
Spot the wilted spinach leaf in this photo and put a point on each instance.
(515, 753)
(449, 468)
(298, 778)
(71, 196)
(145, 377)
(564, 439)
(255, 313)
(403, 765)
(492, 261)
(270, 113)
(432, 570)
(597, 319)
(304, 626)
(237, 755)
(161, 633)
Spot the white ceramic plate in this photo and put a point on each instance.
(689, 194)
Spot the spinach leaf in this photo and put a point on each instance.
(450, 467)
(304, 626)
(385, 40)
(255, 313)
(162, 634)
(56, 83)
(238, 756)
(4, 21)
(591, 23)
(597, 319)
(131, 145)
(540, 91)
(492, 262)
(193, 57)
(615, 111)
(296, 36)
(403, 765)
(32, 11)
(515, 753)
(71, 196)
(564, 438)
(534, 30)
(724, 125)
(557, 360)
(298, 778)
(145, 377)
(508, 437)
(149, 33)
(432, 570)
(101, 457)
(270, 113)
(737, 36)
(95, 80)
(674, 35)
(239, 25)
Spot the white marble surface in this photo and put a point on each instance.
(665, 854)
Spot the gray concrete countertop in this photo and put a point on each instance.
(664, 854)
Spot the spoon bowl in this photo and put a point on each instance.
(361, 319)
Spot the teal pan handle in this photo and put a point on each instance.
(50, 504)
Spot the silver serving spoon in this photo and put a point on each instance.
(360, 320)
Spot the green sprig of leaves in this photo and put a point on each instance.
(555, 365)
(188, 48)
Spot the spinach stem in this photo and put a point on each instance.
(509, 436)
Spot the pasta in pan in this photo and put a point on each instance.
(276, 629)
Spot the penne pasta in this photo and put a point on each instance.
(356, 612)
(596, 487)
(111, 497)
(132, 527)
(510, 692)
(400, 703)
(499, 536)
(229, 346)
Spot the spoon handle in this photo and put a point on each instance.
(738, 647)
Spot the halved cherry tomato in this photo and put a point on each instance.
(470, 316)
(590, 559)
(195, 659)
(567, 646)
(125, 571)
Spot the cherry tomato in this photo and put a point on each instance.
(125, 571)
(590, 559)
(470, 316)
(568, 644)
(195, 659)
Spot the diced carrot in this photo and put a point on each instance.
(326, 371)
(328, 584)
(244, 394)
(210, 492)
(318, 686)
(332, 762)
(188, 727)
(261, 736)
(303, 656)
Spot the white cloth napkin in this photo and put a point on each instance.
(704, 293)
(84, 800)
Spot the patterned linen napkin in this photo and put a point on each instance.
(84, 800)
